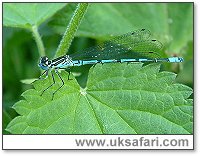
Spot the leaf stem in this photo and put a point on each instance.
(71, 29)
(38, 40)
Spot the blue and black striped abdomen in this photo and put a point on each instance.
(85, 62)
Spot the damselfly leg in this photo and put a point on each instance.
(41, 78)
(56, 71)
(69, 72)
(52, 75)
(50, 85)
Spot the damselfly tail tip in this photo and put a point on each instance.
(176, 59)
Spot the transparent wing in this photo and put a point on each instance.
(134, 44)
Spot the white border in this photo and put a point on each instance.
(196, 63)
(118, 141)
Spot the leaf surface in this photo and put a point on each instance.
(25, 15)
(118, 99)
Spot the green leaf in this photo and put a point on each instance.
(164, 20)
(181, 32)
(118, 99)
(28, 81)
(25, 15)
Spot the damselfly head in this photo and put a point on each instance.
(44, 63)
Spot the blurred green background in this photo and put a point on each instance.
(170, 23)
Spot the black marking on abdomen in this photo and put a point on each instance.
(137, 59)
(119, 61)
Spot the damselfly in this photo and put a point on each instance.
(135, 46)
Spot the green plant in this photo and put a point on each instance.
(117, 98)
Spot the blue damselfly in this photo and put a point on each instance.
(135, 46)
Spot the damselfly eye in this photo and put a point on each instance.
(44, 60)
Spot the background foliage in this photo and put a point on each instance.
(170, 23)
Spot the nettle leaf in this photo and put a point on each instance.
(118, 99)
(24, 15)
